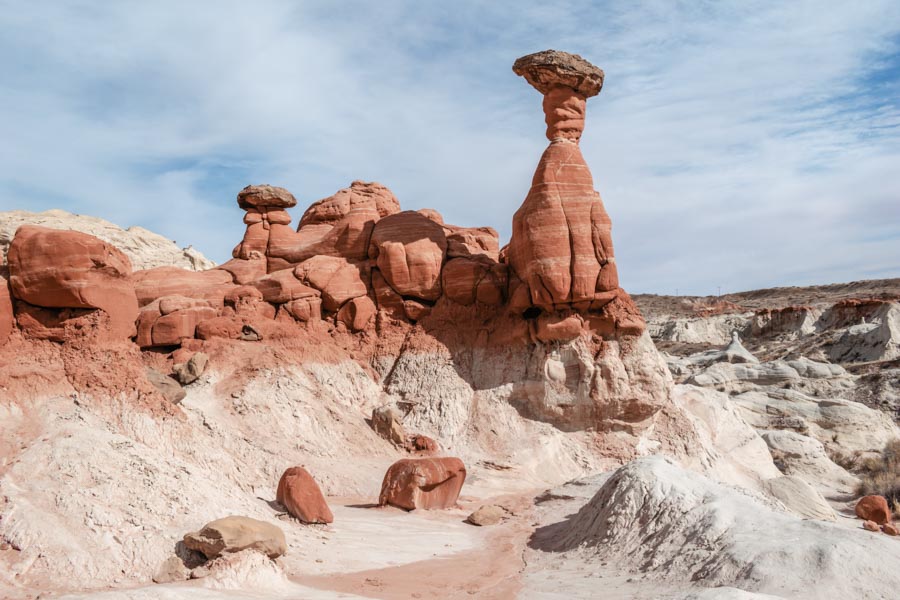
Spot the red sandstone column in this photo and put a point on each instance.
(561, 244)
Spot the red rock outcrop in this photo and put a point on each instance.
(467, 280)
(7, 321)
(170, 319)
(874, 508)
(466, 242)
(561, 245)
(67, 269)
(339, 225)
(299, 493)
(245, 271)
(426, 483)
(211, 285)
(409, 250)
(282, 286)
(357, 313)
(338, 279)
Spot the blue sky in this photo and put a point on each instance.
(741, 145)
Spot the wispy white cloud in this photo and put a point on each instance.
(735, 144)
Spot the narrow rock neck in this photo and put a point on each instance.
(564, 110)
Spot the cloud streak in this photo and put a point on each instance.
(735, 145)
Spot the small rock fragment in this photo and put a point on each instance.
(190, 371)
(421, 443)
(386, 423)
(871, 526)
(168, 387)
(487, 514)
(250, 334)
(172, 569)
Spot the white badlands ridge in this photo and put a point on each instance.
(144, 248)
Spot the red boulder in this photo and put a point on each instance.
(409, 250)
(299, 493)
(69, 269)
(426, 483)
(338, 279)
(873, 508)
(357, 313)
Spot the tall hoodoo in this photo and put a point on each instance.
(561, 245)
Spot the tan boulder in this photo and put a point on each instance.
(67, 269)
(549, 69)
(173, 569)
(299, 493)
(265, 195)
(386, 423)
(165, 385)
(486, 515)
(234, 534)
(190, 371)
(424, 483)
(337, 279)
(409, 250)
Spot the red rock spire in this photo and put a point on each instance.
(561, 244)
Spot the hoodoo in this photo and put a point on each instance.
(561, 246)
